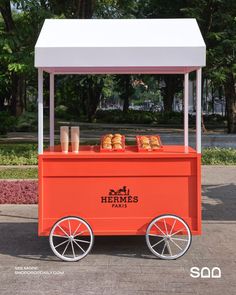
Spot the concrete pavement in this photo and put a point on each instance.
(123, 265)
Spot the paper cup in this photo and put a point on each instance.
(64, 146)
(64, 134)
(75, 146)
(75, 139)
(75, 134)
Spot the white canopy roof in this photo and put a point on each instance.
(120, 46)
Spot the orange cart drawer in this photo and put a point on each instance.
(118, 167)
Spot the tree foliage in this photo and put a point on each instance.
(21, 21)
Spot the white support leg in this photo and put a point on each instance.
(40, 111)
(186, 94)
(198, 109)
(51, 111)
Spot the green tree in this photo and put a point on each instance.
(217, 20)
(21, 21)
(19, 30)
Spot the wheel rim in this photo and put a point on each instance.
(168, 237)
(71, 238)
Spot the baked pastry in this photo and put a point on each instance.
(144, 141)
(116, 140)
(144, 138)
(106, 140)
(146, 146)
(107, 146)
(111, 141)
(155, 147)
(107, 137)
(155, 143)
(117, 135)
(117, 146)
(153, 138)
(149, 142)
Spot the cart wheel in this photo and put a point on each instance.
(168, 237)
(71, 238)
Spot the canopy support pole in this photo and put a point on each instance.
(198, 109)
(51, 110)
(186, 91)
(40, 111)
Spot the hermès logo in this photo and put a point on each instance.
(119, 198)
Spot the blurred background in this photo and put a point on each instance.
(139, 99)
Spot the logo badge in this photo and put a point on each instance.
(120, 198)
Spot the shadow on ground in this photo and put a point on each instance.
(219, 202)
(21, 240)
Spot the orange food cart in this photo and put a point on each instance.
(154, 194)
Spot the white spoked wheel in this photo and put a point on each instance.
(71, 238)
(168, 237)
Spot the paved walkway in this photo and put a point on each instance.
(124, 265)
(91, 132)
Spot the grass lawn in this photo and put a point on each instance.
(18, 173)
(16, 154)
(219, 156)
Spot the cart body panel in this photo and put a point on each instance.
(119, 194)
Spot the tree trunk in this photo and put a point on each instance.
(4, 95)
(212, 100)
(17, 96)
(94, 95)
(230, 95)
(5, 9)
(204, 130)
(127, 92)
(169, 92)
(206, 99)
(126, 104)
(1, 103)
(94, 98)
(84, 8)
